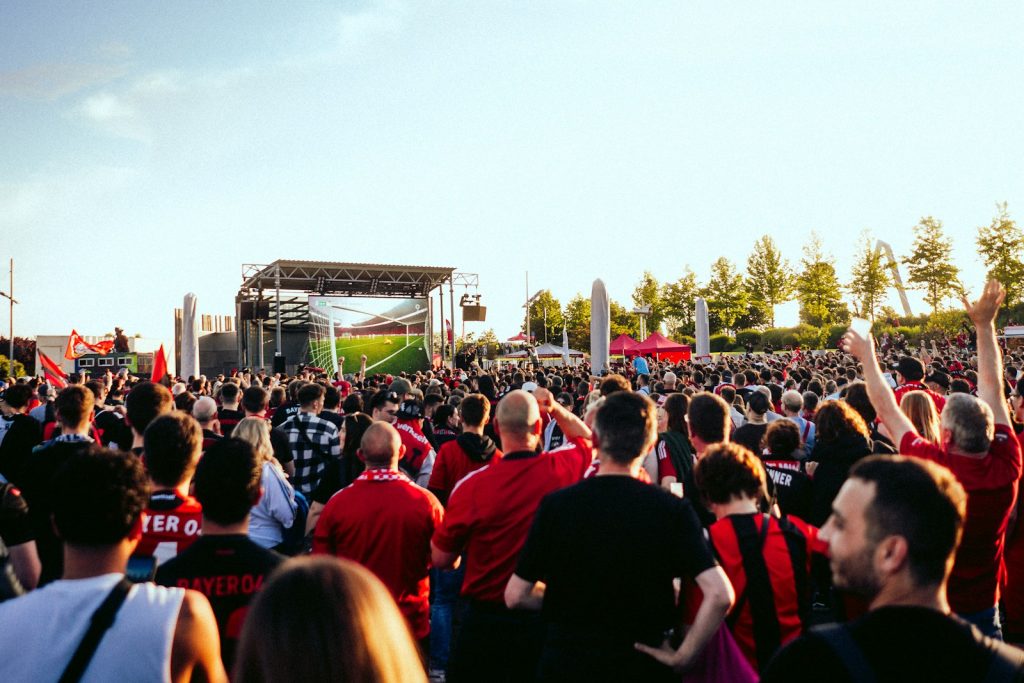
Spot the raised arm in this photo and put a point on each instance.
(879, 393)
(990, 360)
(572, 426)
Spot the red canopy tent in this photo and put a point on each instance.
(623, 345)
(662, 348)
(519, 338)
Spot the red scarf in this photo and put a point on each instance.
(382, 475)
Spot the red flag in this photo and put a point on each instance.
(78, 347)
(159, 365)
(451, 334)
(54, 374)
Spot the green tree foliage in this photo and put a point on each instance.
(769, 278)
(546, 317)
(622, 321)
(648, 293)
(1000, 245)
(678, 301)
(930, 263)
(5, 368)
(818, 287)
(870, 279)
(577, 321)
(725, 295)
(488, 336)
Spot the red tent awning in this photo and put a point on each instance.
(519, 338)
(622, 344)
(660, 346)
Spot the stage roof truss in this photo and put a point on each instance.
(300, 279)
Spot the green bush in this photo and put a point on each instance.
(806, 336)
(835, 333)
(719, 343)
(684, 339)
(743, 337)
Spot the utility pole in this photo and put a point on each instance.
(9, 295)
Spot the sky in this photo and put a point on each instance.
(152, 149)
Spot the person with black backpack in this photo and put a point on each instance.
(766, 558)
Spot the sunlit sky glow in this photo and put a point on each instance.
(150, 149)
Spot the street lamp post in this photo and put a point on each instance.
(9, 295)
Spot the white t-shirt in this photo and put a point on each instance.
(40, 631)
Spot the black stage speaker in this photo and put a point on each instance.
(476, 314)
(279, 364)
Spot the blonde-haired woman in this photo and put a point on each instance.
(919, 407)
(276, 508)
(322, 619)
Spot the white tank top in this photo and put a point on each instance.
(40, 631)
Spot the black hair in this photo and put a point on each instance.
(227, 481)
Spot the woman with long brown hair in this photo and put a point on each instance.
(323, 619)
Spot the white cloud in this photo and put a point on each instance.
(357, 29)
(51, 81)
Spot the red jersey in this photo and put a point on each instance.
(171, 524)
(418, 450)
(938, 399)
(384, 522)
(491, 510)
(991, 486)
(452, 465)
(780, 566)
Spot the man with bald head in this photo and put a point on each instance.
(489, 515)
(384, 522)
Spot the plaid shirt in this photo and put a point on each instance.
(312, 452)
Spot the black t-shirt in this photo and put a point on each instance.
(228, 418)
(282, 449)
(283, 412)
(900, 644)
(228, 570)
(35, 485)
(334, 418)
(15, 526)
(788, 480)
(750, 435)
(608, 549)
(20, 434)
(113, 428)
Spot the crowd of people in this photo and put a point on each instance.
(846, 515)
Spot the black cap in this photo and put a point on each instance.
(940, 378)
(410, 410)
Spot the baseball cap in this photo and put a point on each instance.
(940, 378)
(410, 410)
(529, 386)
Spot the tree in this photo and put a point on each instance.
(870, 279)
(5, 368)
(545, 317)
(488, 336)
(622, 320)
(648, 293)
(678, 304)
(999, 245)
(930, 263)
(818, 288)
(725, 294)
(577, 322)
(769, 279)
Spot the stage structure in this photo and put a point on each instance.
(305, 311)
